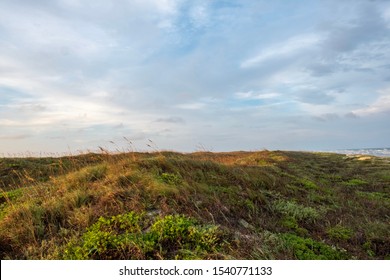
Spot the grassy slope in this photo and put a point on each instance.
(241, 205)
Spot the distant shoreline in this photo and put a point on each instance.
(378, 152)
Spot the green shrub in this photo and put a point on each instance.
(128, 223)
(184, 232)
(105, 235)
(125, 237)
(309, 249)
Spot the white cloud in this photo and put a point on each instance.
(191, 106)
(48, 34)
(282, 50)
(256, 96)
(380, 105)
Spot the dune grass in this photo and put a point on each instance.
(167, 205)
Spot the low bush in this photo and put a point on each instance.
(309, 249)
(135, 236)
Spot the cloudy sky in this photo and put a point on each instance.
(219, 75)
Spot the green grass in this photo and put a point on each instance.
(296, 211)
(167, 205)
(339, 232)
(309, 249)
(355, 182)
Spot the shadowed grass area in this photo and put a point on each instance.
(166, 205)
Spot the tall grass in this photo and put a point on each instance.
(267, 204)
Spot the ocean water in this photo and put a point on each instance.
(379, 152)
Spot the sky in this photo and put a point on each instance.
(216, 75)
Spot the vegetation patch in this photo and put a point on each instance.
(290, 222)
(94, 173)
(171, 179)
(355, 182)
(296, 211)
(309, 184)
(135, 236)
(309, 249)
(10, 195)
(374, 196)
(339, 232)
